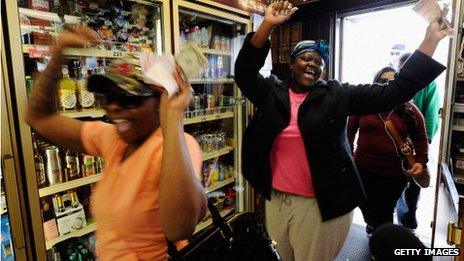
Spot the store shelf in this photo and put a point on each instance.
(458, 107)
(43, 192)
(208, 222)
(91, 227)
(93, 113)
(211, 81)
(210, 117)
(461, 79)
(214, 51)
(219, 184)
(47, 16)
(91, 52)
(214, 154)
(458, 128)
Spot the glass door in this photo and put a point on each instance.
(216, 118)
(127, 26)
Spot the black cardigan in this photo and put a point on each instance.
(322, 121)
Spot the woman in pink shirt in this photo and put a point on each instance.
(150, 189)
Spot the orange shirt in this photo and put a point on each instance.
(125, 200)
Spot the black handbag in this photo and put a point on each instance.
(241, 236)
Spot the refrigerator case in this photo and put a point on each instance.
(449, 193)
(126, 26)
(218, 115)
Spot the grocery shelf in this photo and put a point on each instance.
(91, 52)
(43, 192)
(217, 153)
(214, 51)
(93, 113)
(91, 227)
(461, 79)
(48, 16)
(208, 222)
(219, 184)
(458, 107)
(210, 117)
(458, 128)
(211, 81)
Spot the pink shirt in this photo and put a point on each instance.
(125, 201)
(289, 164)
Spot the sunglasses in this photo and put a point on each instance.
(123, 99)
(382, 80)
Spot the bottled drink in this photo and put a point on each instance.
(39, 168)
(53, 165)
(74, 200)
(59, 204)
(88, 165)
(86, 98)
(73, 168)
(67, 90)
(48, 218)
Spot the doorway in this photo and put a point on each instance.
(364, 46)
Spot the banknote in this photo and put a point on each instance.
(431, 11)
(158, 70)
(191, 59)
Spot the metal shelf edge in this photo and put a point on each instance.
(219, 185)
(214, 154)
(91, 227)
(208, 222)
(43, 192)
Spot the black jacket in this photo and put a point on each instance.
(322, 121)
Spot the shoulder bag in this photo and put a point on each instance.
(421, 179)
(241, 236)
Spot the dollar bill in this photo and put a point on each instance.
(191, 59)
(431, 12)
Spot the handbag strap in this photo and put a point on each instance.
(404, 147)
(220, 222)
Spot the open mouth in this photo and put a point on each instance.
(122, 125)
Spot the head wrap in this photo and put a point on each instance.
(319, 46)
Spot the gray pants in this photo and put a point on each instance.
(295, 224)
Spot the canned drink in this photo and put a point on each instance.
(53, 165)
(196, 102)
(88, 165)
(210, 101)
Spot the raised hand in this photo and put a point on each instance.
(279, 12)
(172, 108)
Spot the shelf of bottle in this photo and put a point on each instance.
(48, 16)
(458, 107)
(87, 52)
(209, 221)
(458, 128)
(217, 153)
(210, 117)
(91, 227)
(219, 184)
(98, 113)
(93, 113)
(460, 78)
(43, 192)
(215, 51)
(211, 81)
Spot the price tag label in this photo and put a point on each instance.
(39, 51)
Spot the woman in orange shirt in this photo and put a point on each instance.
(150, 189)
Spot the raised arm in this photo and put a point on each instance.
(254, 51)
(182, 199)
(41, 114)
